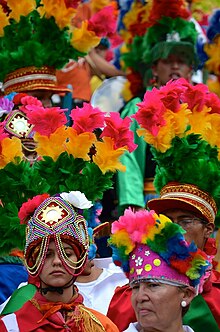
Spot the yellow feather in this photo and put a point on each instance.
(106, 158)
(79, 145)
(20, 8)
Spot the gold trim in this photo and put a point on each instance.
(192, 195)
(46, 83)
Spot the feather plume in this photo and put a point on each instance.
(118, 129)
(162, 236)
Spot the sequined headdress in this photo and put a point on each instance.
(37, 37)
(56, 218)
(181, 123)
(149, 247)
(78, 158)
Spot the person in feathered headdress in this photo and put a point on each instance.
(181, 122)
(182, 128)
(164, 270)
(70, 158)
(165, 47)
(36, 38)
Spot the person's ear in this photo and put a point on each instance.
(188, 295)
(209, 228)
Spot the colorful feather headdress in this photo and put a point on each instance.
(78, 158)
(152, 31)
(210, 52)
(148, 246)
(37, 37)
(181, 122)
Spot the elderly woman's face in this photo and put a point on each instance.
(158, 306)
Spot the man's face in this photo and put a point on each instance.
(197, 229)
(172, 67)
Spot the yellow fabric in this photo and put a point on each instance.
(95, 83)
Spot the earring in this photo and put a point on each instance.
(183, 304)
(153, 81)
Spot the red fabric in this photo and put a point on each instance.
(120, 305)
(211, 294)
(29, 319)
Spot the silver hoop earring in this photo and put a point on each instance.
(183, 304)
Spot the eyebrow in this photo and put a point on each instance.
(68, 247)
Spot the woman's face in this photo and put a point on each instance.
(53, 272)
(158, 306)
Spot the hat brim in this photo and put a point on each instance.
(184, 50)
(55, 89)
(160, 205)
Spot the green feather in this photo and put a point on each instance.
(12, 233)
(35, 41)
(189, 160)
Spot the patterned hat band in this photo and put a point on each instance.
(31, 78)
(193, 195)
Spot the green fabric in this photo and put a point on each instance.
(19, 298)
(199, 316)
(130, 184)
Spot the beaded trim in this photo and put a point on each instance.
(56, 218)
(199, 198)
(33, 270)
(17, 124)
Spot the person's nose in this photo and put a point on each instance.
(56, 260)
(175, 64)
(142, 294)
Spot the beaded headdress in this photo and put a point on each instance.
(56, 218)
(149, 247)
(38, 36)
(82, 157)
(181, 123)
